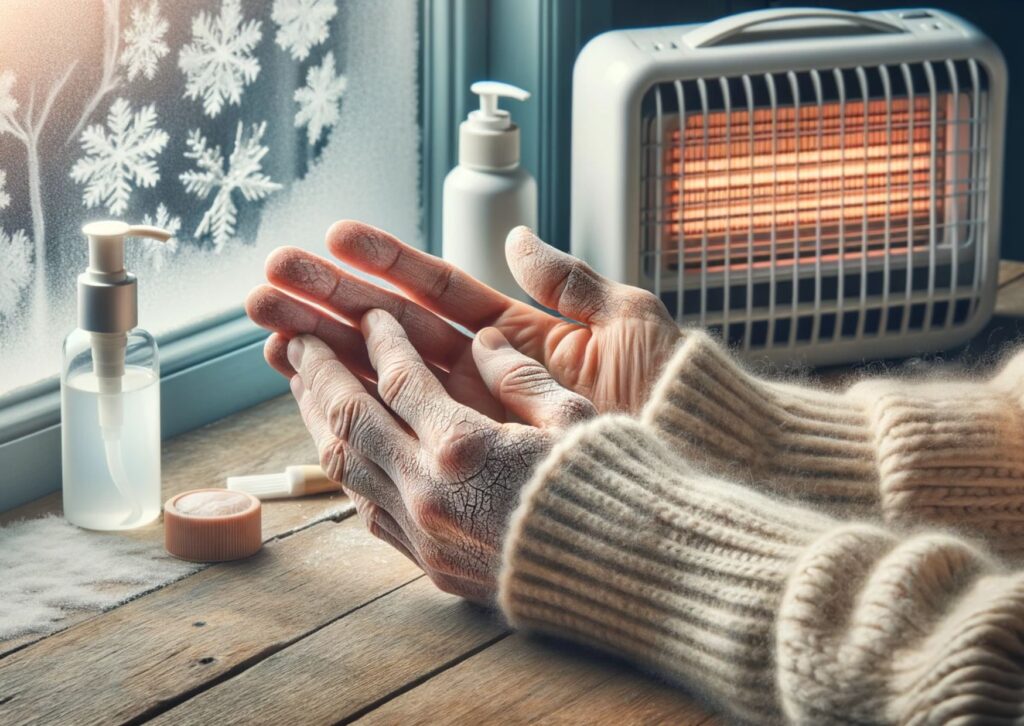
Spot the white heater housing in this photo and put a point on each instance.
(810, 184)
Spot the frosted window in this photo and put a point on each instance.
(239, 126)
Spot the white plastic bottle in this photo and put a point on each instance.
(488, 193)
(110, 393)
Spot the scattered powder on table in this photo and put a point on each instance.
(50, 569)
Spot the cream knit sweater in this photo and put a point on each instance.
(648, 538)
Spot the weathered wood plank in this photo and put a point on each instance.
(152, 652)
(265, 438)
(349, 665)
(524, 680)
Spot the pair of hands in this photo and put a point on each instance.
(433, 433)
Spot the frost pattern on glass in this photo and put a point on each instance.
(15, 270)
(144, 44)
(116, 163)
(302, 24)
(242, 172)
(319, 99)
(219, 63)
(5, 198)
(237, 125)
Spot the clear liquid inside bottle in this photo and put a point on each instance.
(111, 479)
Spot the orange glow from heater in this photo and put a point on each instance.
(845, 177)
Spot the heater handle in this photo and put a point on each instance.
(723, 29)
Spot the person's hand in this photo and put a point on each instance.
(441, 489)
(610, 350)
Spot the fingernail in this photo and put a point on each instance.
(295, 346)
(372, 318)
(492, 339)
(297, 388)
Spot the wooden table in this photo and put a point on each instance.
(327, 624)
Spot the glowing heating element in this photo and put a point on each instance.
(816, 182)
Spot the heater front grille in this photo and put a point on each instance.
(809, 206)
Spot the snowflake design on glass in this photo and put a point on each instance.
(8, 103)
(302, 24)
(114, 164)
(5, 198)
(144, 44)
(16, 270)
(318, 99)
(154, 253)
(243, 172)
(218, 64)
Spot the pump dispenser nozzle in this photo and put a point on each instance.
(487, 138)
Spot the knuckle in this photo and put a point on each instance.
(332, 460)
(461, 451)
(394, 381)
(637, 301)
(433, 514)
(345, 414)
(525, 377)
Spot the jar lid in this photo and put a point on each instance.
(212, 525)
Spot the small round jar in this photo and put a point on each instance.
(212, 525)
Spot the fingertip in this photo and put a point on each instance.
(279, 259)
(357, 242)
(519, 241)
(275, 351)
(256, 301)
(375, 318)
(491, 339)
(296, 386)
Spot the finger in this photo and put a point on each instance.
(383, 526)
(405, 384)
(430, 281)
(275, 350)
(272, 309)
(568, 285)
(322, 282)
(524, 386)
(352, 415)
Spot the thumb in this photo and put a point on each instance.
(524, 386)
(556, 279)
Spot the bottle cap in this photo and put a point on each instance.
(487, 138)
(212, 525)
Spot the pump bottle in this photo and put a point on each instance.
(110, 393)
(488, 193)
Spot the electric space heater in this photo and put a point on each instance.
(809, 184)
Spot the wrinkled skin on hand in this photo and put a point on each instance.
(438, 475)
(441, 489)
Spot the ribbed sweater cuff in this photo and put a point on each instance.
(947, 452)
(618, 545)
(795, 441)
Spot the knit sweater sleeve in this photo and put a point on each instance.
(943, 452)
(767, 609)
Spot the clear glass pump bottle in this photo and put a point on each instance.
(110, 394)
